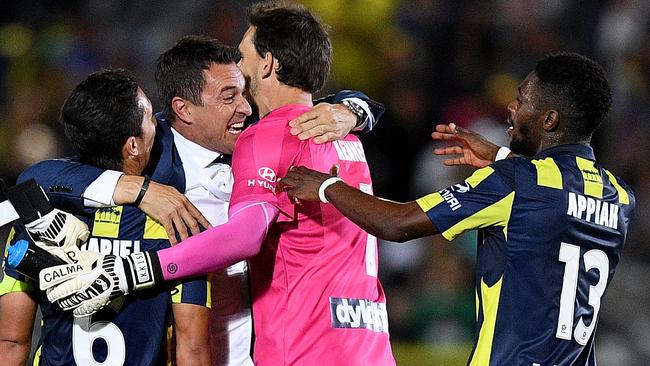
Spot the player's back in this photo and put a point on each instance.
(540, 289)
(132, 331)
(316, 295)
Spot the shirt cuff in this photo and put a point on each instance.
(100, 192)
(370, 118)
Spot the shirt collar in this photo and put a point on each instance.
(581, 150)
(190, 151)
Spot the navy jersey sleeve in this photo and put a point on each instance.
(377, 109)
(484, 199)
(64, 182)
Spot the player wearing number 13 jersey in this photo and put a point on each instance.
(554, 228)
(551, 227)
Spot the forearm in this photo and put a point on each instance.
(218, 247)
(127, 189)
(382, 218)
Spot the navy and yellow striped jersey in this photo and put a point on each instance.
(131, 331)
(551, 233)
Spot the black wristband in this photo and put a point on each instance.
(143, 190)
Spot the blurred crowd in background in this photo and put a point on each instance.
(430, 62)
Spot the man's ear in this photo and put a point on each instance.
(551, 120)
(182, 109)
(269, 63)
(131, 147)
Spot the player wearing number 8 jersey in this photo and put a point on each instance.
(551, 227)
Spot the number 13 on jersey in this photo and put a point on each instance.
(593, 259)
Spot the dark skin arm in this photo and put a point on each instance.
(382, 218)
(17, 312)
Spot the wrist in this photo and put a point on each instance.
(142, 270)
(323, 186)
(127, 189)
(359, 113)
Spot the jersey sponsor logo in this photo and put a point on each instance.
(350, 150)
(60, 271)
(358, 314)
(452, 201)
(116, 247)
(461, 187)
(267, 174)
(593, 210)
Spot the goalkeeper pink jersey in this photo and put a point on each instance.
(315, 292)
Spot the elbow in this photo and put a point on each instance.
(393, 231)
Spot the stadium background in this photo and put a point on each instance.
(430, 62)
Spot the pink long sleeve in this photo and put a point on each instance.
(218, 247)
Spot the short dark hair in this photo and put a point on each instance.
(179, 70)
(100, 114)
(578, 87)
(297, 39)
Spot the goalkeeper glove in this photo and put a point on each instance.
(44, 223)
(89, 285)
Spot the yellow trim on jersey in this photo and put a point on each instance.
(478, 176)
(177, 294)
(497, 214)
(37, 356)
(593, 182)
(208, 298)
(548, 173)
(476, 303)
(429, 201)
(10, 284)
(154, 230)
(622, 193)
(490, 304)
(107, 222)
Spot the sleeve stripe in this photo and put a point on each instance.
(429, 201)
(497, 214)
(622, 194)
(479, 176)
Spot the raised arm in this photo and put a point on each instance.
(474, 149)
(80, 188)
(385, 219)
(102, 278)
(335, 115)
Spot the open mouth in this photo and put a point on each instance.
(236, 128)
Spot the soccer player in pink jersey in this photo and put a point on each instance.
(315, 292)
